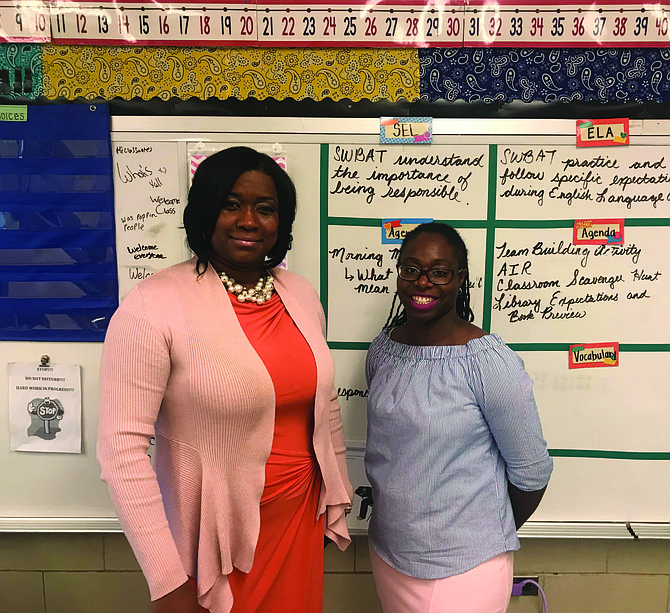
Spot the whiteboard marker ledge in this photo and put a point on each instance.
(59, 524)
(593, 530)
(533, 529)
(651, 530)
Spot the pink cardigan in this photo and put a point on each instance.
(175, 358)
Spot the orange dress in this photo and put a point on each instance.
(287, 573)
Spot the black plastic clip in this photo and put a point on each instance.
(365, 492)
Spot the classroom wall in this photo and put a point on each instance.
(97, 573)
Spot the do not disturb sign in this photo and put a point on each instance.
(45, 407)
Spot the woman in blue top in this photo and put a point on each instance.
(455, 453)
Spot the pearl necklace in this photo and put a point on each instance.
(259, 294)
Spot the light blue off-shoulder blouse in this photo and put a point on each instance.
(447, 426)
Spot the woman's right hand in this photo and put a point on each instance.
(181, 600)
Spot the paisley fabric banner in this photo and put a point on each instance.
(566, 75)
(217, 72)
(489, 75)
(20, 70)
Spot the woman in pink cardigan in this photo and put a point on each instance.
(223, 359)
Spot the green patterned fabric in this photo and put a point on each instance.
(20, 70)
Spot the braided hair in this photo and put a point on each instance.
(397, 315)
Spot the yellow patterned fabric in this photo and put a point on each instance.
(126, 72)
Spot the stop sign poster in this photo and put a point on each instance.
(45, 407)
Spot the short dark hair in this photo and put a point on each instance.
(397, 316)
(212, 183)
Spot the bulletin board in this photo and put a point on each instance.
(514, 189)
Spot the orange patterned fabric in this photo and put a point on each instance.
(126, 72)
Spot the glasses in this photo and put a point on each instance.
(437, 276)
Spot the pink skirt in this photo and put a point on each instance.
(484, 589)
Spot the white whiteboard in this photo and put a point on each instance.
(608, 426)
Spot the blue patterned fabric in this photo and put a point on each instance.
(448, 425)
(549, 75)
